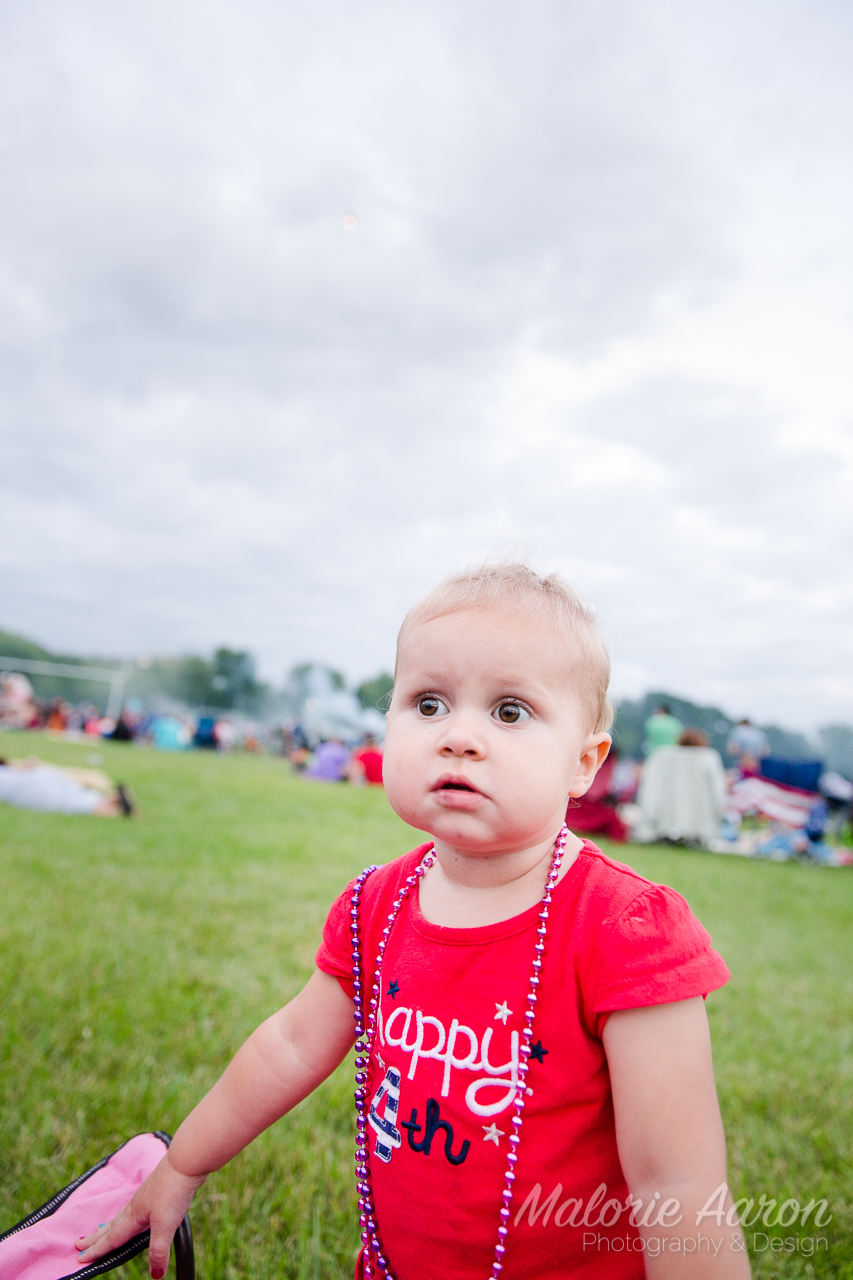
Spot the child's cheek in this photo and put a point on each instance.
(394, 781)
(405, 807)
(403, 787)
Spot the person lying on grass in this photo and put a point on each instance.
(51, 788)
(535, 1095)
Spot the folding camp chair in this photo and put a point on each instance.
(41, 1246)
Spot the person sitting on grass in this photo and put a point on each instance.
(682, 793)
(365, 764)
(749, 745)
(329, 762)
(535, 1095)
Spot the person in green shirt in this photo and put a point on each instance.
(663, 729)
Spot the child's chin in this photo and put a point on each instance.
(464, 830)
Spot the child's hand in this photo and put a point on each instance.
(278, 1066)
(160, 1203)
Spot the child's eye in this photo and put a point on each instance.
(511, 713)
(429, 705)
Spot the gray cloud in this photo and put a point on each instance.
(595, 309)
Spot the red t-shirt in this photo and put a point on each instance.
(371, 762)
(448, 1050)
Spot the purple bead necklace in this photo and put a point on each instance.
(366, 1036)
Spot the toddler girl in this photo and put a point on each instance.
(535, 1093)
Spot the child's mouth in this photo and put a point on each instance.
(449, 783)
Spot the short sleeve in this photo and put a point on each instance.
(655, 952)
(335, 953)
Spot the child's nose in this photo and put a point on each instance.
(461, 739)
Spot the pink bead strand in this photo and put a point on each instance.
(365, 1033)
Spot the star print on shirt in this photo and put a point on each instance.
(503, 1012)
(537, 1051)
(394, 990)
(493, 1134)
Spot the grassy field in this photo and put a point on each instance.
(136, 956)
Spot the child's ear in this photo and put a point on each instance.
(593, 754)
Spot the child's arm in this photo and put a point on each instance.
(278, 1066)
(670, 1138)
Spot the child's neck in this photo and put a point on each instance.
(465, 892)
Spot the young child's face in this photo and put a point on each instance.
(487, 738)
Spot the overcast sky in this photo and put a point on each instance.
(596, 310)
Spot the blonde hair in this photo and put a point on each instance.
(552, 599)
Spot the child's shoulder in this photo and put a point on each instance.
(607, 870)
(646, 945)
(613, 889)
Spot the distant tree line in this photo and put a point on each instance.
(227, 681)
(48, 687)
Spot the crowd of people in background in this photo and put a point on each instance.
(168, 731)
(682, 791)
(20, 709)
(684, 794)
(327, 760)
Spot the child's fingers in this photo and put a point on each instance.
(158, 1250)
(84, 1242)
(94, 1245)
(110, 1235)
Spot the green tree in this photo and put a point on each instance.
(227, 682)
(12, 646)
(46, 686)
(193, 682)
(376, 692)
(233, 679)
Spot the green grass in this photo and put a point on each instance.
(136, 956)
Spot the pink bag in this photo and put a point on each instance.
(41, 1247)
